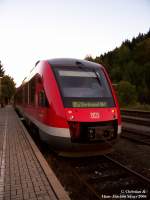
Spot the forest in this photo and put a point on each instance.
(129, 69)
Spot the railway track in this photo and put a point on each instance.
(136, 113)
(136, 117)
(136, 126)
(136, 120)
(136, 137)
(99, 178)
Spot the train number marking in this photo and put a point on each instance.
(94, 115)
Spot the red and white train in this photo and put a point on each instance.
(73, 105)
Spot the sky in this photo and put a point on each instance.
(32, 30)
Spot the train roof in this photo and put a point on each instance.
(72, 62)
(64, 62)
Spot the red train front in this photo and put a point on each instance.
(73, 105)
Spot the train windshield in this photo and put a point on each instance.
(84, 88)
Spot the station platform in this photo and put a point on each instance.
(24, 173)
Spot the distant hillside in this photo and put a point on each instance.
(130, 62)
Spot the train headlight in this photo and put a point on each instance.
(69, 111)
(113, 113)
(71, 117)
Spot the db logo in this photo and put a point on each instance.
(94, 115)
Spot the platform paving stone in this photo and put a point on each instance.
(21, 175)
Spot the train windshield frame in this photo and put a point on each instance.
(83, 87)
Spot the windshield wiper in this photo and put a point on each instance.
(98, 77)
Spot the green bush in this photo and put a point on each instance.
(126, 93)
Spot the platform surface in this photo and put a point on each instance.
(22, 176)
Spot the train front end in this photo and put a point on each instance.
(91, 108)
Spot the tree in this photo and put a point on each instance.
(116, 74)
(130, 62)
(7, 89)
(89, 58)
(1, 70)
(127, 93)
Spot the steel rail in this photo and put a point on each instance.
(86, 184)
(128, 169)
(135, 140)
(135, 111)
(136, 120)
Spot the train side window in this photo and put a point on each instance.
(43, 102)
(26, 94)
(32, 91)
(19, 96)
